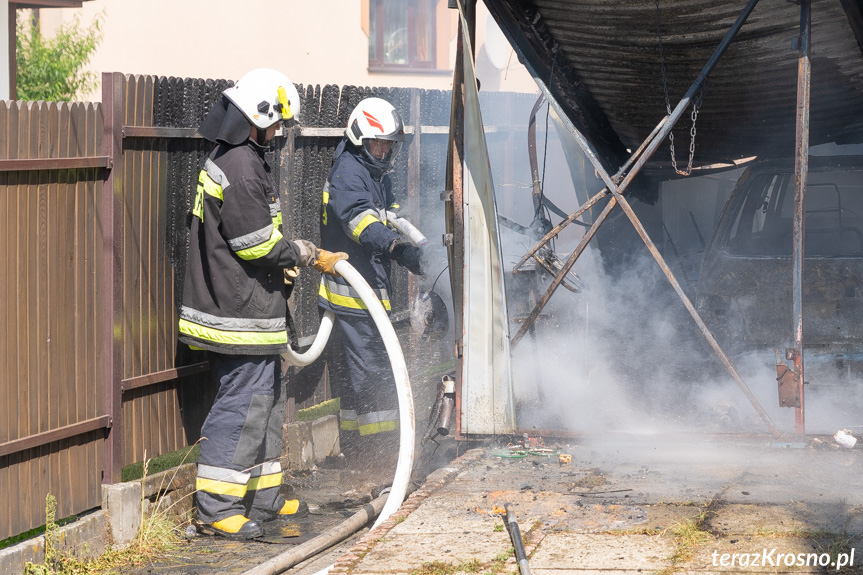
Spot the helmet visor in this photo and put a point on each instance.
(382, 152)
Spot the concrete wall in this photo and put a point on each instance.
(321, 42)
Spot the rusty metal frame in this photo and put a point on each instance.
(801, 169)
(643, 154)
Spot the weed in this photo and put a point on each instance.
(687, 536)
(49, 564)
(498, 527)
(435, 568)
(797, 532)
(839, 544)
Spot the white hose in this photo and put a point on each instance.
(314, 352)
(407, 229)
(407, 423)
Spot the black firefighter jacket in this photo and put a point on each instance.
(234, 291)
(356, 198)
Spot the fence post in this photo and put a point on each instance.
(110, 280)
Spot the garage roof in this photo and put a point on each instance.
(607, 77)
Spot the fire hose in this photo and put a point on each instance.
(407, 422)
(385, 505)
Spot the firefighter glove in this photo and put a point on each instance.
(408, 255)
(326, 262)
(308, 252)
(291, 275)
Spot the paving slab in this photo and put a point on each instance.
(601, 552)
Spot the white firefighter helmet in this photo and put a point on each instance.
(265, 97)
(376, 119)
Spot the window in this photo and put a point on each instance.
(402, 35)
(834, 215)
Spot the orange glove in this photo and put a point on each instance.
(326, 262)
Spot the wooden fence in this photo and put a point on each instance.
(93, 207)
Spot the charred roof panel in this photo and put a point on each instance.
(607, 66)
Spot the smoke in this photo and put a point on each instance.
(623, 355)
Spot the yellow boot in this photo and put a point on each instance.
(237, 527)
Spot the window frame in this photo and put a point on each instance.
(413, 65)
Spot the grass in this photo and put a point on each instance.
(161, 463)
(159, 534)
(473, 566)
(688, 535)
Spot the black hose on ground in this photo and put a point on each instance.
(300, 553)
(517, 543)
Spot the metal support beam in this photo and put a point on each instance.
(617, 192)
(454, 215)
(801, 170)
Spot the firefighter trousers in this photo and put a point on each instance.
(362, 377)
(241, 441)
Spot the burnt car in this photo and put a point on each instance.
(744, 289)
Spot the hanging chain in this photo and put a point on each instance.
(695, 106)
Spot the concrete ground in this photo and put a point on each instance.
(624, 504)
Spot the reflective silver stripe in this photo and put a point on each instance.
(252, 239)
(348, 291)
(382, 216)
(275, 207)
(266, 468)
(216, 174)
(231, 323)
(352, 225)
(348, 414)
(378, 417)
(222, 474)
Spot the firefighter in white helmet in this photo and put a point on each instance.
(234, 306)
(356, 197)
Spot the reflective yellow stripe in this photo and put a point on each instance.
(221, 487)
(326, 201)
(364, 223)
(277, 221)
(232, 337)
(378, 427)
(263, 249)
(206, 185)
(347, 301)
(394, 206)
(349, 424)
(265, 481)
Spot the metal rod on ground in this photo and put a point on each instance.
(517, 543)
(300, 553)
(801, 168)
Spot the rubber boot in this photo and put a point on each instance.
(236, 527)
(291, 509)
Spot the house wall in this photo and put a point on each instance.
(321, 42)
